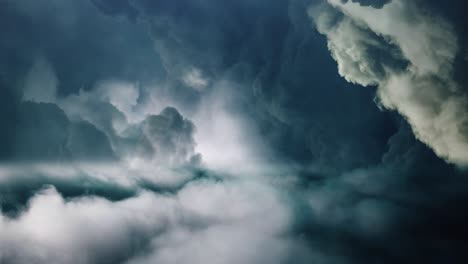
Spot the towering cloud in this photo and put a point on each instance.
(409, 54)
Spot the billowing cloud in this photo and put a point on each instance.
(220, 131)
(410, 56)
(268, 60)
(171, 136)
(150, 227)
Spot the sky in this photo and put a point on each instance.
(246, 131)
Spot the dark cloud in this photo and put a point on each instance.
(22, 185)
(373, 3)
(107, 109)
(42, 132)
(82, 45)
(270, 52)
(8, 113)
(273, 54)
(403, 198)
(171, 135)
(86, 141)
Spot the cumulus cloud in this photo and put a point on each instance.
(165, 138)
(224, 134)
(171, 136)
(151, 227)
(82, 231)
(414, 76)
(85, 213)
(269, 58)
(101, 123)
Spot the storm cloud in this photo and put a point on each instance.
(201, 131)
(414, 76)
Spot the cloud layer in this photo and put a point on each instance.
(180, 229)
(204, 131)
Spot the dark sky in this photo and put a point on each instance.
(247, 131)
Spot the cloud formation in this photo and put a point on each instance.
(150, 227)
(220, 131)
(409, 54)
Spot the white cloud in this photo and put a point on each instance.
(424, 90)
(426, 40)
(194, 78)
(191, 227)
(249, 232)
(80, 231)
(354, 63)
(121, 94)
(226, 140)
